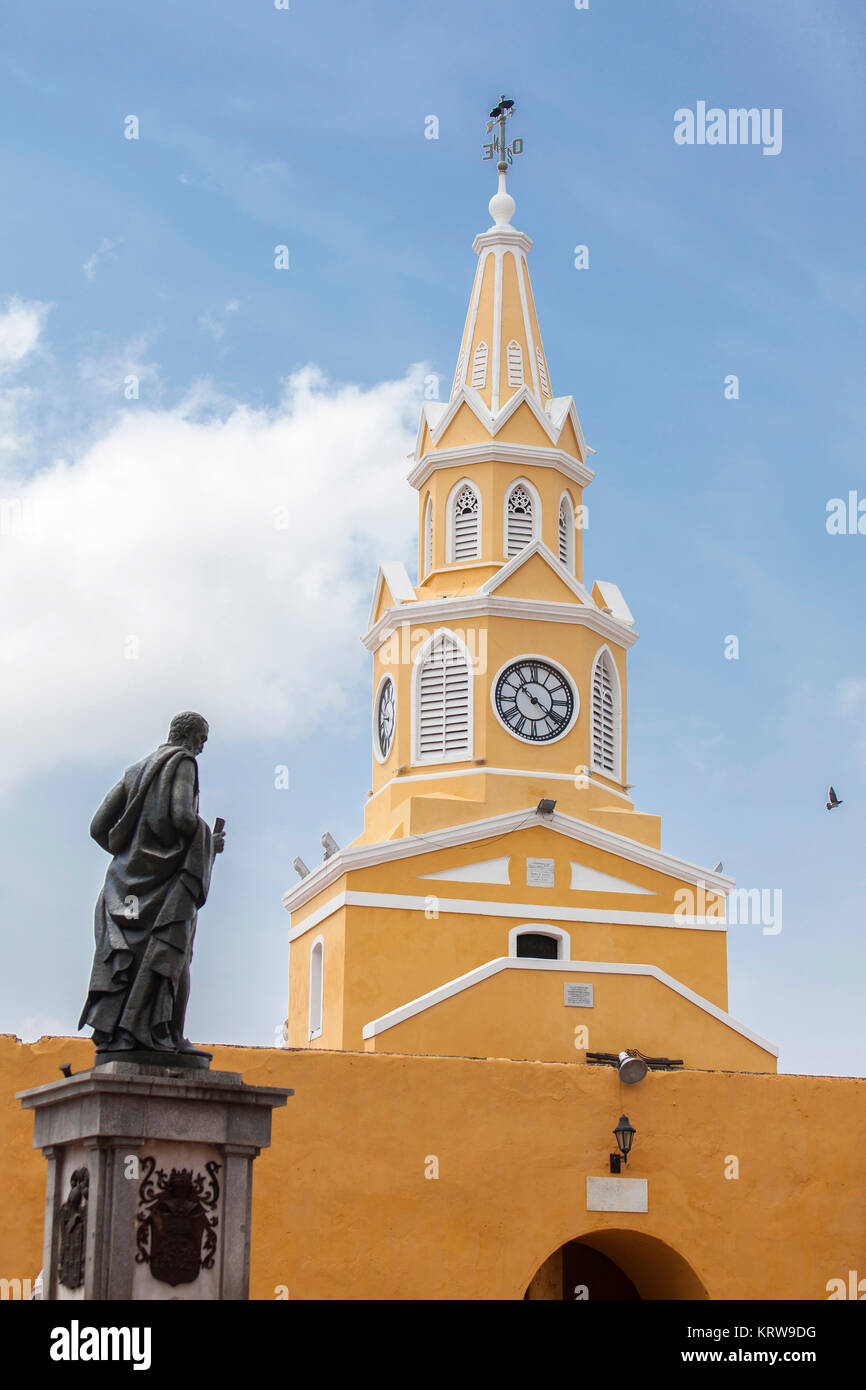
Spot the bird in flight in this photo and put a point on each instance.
(833, 801)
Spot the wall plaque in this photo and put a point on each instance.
(540, 872)
(579, 996)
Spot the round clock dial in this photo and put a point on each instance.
(386, 717)
(534, 700)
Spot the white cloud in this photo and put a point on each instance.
(104, 248)
(161, 539)
(20, 326)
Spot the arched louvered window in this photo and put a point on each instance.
(519, 519)
(479, 367)
(459, 372)
(566, 533)
(514, 363)
(428, 536)
(443, 701)
(465, 524)
(317, 986)
(542, 372)
(605, 717)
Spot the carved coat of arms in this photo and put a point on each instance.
(176, 1232)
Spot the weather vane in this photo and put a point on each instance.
(506, 152)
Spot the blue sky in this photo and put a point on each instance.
(154, 257)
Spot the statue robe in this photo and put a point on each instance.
(146, 914)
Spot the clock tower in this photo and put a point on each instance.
(503, 859)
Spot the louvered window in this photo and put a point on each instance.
(459, 372)
(428, 537)
(518, 520)
(479, 367)
(444, 693)
(466, 518)
(514, 363)
(605, 718)
(542, 372)
(566, 535)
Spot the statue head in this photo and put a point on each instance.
(190, 730)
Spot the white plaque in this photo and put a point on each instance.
(539, 872)
(616, 1194)
(579, 996)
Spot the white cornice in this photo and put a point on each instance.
(526, 455)
(483, 605)
(523, 772)
(494, 967)
(521, 912)
(385, 851)
(503, 238)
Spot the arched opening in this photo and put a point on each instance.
(615, 1265)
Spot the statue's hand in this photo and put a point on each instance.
(219, 842)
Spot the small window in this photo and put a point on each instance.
(514, 363)
(466, 528)
(566, 534)
(458, 375)
(479, 367)
(542, 372)
(317, 981)
(519, 522)
(537, 946)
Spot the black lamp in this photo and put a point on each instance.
(624, 1134)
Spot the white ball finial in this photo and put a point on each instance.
(501, 208)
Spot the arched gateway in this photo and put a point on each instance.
(615, 1265)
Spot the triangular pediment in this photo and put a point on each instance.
(466, 419)
(535, 573)
(393, 586)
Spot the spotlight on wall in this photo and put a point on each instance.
(631, 1069)
(300, 867)
(545, 807)
(329, 844)
(624, 1135)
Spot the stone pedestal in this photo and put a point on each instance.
(149, 1181)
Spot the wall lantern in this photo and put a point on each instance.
(624, 1134)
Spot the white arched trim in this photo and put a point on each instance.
(317, 987)
(427, 552)
(451, 529)
(565, 532)
(605, 716)
(534, 498)
(443, 731)
(541, 929)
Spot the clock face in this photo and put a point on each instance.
(534, 700)
(386, 716)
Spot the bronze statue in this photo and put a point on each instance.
(145, 918)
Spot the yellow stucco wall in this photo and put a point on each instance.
(521, 1013)
(342, 1208)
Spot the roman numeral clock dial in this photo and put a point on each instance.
(534, 700)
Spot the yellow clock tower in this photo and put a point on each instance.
(505, 897)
